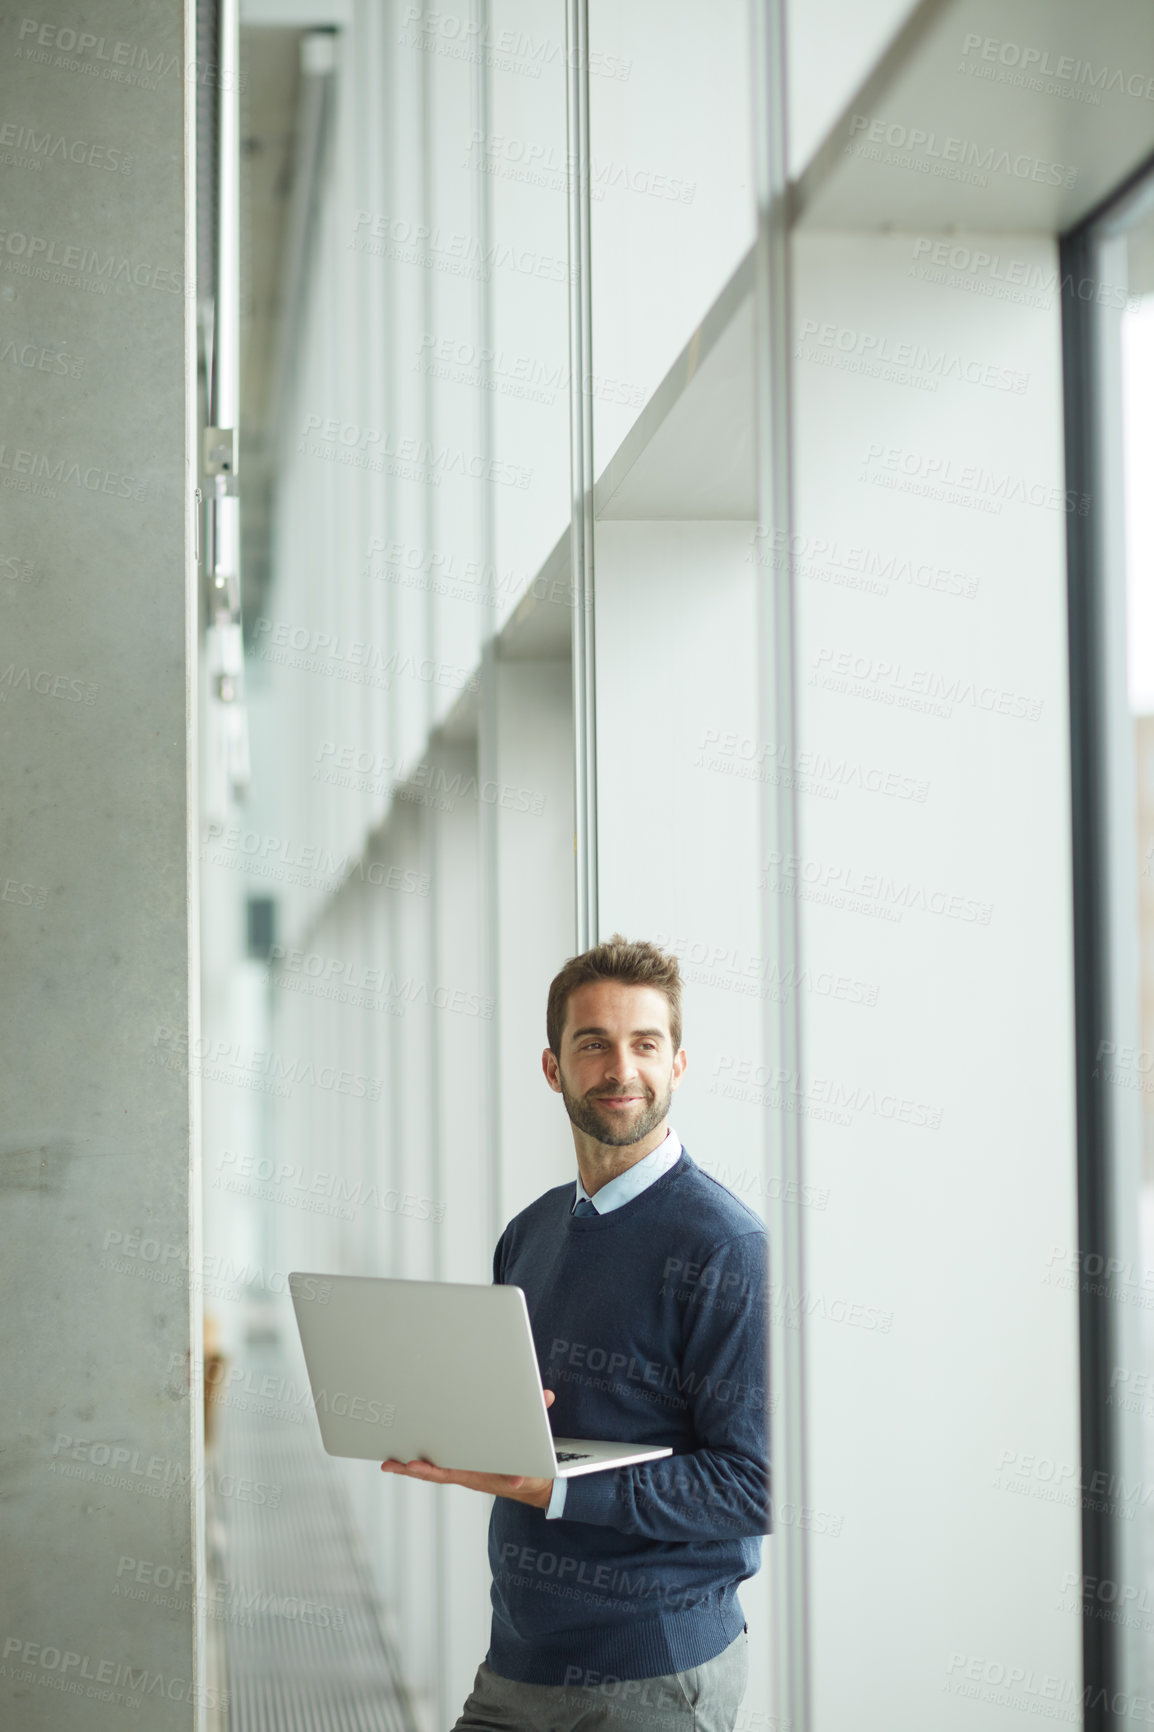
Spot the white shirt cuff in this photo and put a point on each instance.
(556, 1500)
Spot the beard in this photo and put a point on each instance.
(582, 1110)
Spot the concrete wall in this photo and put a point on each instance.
(100, 1428)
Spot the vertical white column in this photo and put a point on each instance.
(535, 925)
(462, 1250)
(417, 1608)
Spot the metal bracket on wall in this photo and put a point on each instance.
(220, 457)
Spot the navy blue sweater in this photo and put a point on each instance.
(650, 1326)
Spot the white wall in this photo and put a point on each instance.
(519, 162)
(672, 208)
(932, 653)
(535, 922)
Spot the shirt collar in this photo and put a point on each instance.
(634, 1179)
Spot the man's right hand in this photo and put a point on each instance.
(519, 1487)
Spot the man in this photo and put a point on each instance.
(614, 1593)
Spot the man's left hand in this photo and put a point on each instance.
(516, 1486)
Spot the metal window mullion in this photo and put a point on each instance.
(581, 473)
(1091, 875)
(787, 1553)
(430, 825)
(488, 768)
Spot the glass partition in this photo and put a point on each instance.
(384, 910)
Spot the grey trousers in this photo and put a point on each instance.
(704, 1699)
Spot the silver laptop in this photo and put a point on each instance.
(436, 1371)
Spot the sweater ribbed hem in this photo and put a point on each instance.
(596, 1655)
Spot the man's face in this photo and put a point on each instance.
(617, 1069)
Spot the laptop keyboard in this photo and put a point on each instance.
(573, 1455)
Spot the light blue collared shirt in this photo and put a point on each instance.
(618, 1191)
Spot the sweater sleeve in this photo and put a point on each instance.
(719, 1489)
(499, 1260)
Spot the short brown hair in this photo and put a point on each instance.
(634, 964)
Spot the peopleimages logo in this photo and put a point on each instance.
(566, 1357)
(87, 261)
(504, 50)
(993, 272)
(1030, 65)
(286, 1182)
(377, 449)
(100, 1679)
(930, 152)
(40, 147)
(355, 974)
(53, 471)
(170, 1585)
(156, 1475)
(578, 1578)
(72, 50)
(907, 360)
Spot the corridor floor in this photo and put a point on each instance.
(301, 1643)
